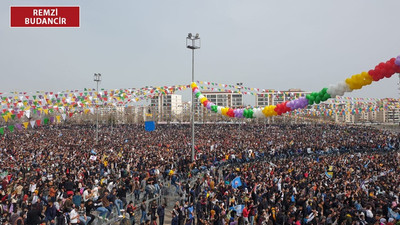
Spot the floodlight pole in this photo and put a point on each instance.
(192, 42)
(97, 79)
(240, 86)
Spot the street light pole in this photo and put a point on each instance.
(240, 88)
(97, 79)
(192, 42)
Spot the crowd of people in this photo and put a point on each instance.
(290, 174)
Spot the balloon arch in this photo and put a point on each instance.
(382, 70)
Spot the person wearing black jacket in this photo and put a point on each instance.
(121, 194)
(34, 216)
(89, 208)
(50, 213)
(161, 214)
(153, 210)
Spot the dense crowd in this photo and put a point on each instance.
(290, 174)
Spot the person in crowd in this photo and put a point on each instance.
(130, 209)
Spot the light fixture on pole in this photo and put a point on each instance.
(240, 86)
(97, 79)
(193, 42)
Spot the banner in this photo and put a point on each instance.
(236, 182)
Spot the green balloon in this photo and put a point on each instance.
(250, 113)
(198, 94)
(317, 100)
(214, 108)
(245, 113)
(326, 96)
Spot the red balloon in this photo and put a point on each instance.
(376, 78)
(396, 68)
(230, 113)
(372, 73)
(389, 73)
(285, 109)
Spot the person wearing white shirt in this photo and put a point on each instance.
(32, 187)
(74, 216)
(86, 195)
(110, 186)
(95, 193)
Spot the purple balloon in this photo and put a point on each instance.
(397, 62)
(196, 91)
(293, 104)
(240, 113)
(208, 105)
(303, 100)
(290, 104)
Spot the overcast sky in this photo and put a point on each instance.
(265, 44)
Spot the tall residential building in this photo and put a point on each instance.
(166, 108)
(273, 97)
(224, 99)
(391, 109)
(359, 111)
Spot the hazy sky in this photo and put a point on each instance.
(265, 44)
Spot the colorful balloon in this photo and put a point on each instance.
(357, 81)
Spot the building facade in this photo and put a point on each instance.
(273, 97)
(223, 99)
(166, 108)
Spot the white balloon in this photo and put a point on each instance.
(332, 90)
(258, 113)
(345, 87)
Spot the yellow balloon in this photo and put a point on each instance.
(202, 100)
(224, 111)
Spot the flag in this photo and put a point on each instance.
(93, 152)
(237, 208)
(11, 128)
(329, 174)
(149, 125)
(236, 182)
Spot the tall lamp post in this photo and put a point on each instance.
(240, 88)
(97, 79)
(239, 84)
(193, 43)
